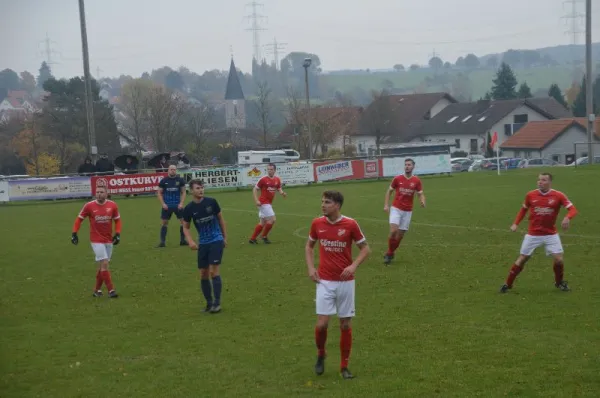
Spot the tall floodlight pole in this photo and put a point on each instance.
(306, 64)
(89, 103)
(589, 94)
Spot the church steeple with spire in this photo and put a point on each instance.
(235, 103)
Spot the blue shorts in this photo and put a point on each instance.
(166, 214)
(210, 254)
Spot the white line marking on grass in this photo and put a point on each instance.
(385, 221)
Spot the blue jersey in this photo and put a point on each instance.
(171, 190)
(204, 215)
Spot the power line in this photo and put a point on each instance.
(274, 48)
(256, 19)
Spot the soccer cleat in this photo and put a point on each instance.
(387, 259)
(505, 288)
(113, 294)
(320, 366)
(207, 308)
(215, 309)
(97, 293)
(563, 286)
(253, 241)
(266, 240)
(346, 374)
(161, 244)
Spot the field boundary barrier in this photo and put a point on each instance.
(145, 182)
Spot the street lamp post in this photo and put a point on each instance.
(306, 64)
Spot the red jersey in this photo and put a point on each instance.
(405, 191)
(268, 186)
(101, 220)
(335, 245)
(543, 210)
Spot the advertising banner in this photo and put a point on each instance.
(3, 191)
(289, 173)
(215, 178)
(348, 170)
(426, 164)
(128, 184)
(49, 188)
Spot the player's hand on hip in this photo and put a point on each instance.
(565, 223)
(348, 272)
(74, 238)
(314, 275)
(514, 227)
(116, 239)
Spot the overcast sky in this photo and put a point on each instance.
(133, 36)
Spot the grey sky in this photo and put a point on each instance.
(133, 36)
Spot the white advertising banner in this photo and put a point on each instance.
(216, 178)
(3, 191)
(289, 173)
(334, 171)
(426, 164)
(49, 188)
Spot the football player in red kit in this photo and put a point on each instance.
(335, 275)
(544, 205)
(267, 186)
(101, 213)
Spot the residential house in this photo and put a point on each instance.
(468, 125)
(388, 119)
(550, 139)
(16, 104)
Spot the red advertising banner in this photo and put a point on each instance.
(128, 183)
(347, 170)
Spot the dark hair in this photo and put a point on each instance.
(272, 164)
(196, 181)
(409, 160)
(336, 196)
(547, 174)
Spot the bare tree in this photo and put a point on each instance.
(377, 117)
(165, 109)
(296, 116)
(263, 108)
(200, 122)
(134, 106)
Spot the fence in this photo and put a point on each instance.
(146, 182)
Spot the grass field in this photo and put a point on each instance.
(481, 80)
(431, 324)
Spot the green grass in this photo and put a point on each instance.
(432, 324)
(481, 80)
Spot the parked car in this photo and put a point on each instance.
(584, 160)
(537, 162)
(462, 165)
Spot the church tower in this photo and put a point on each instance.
(235, 104)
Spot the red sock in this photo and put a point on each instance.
(345, 347)
(393, 245)
(559, 269)
(98, 281)
(320, 339)
(267, 230)
(257, 230)
(512, 275)
(107, 280)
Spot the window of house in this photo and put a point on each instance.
(556, 158)
(452, 119)
(517, 154)
(467, 118)
(520, 118)
(481, 119)
(457, 141)
(508, 129)
(235, 111)
(266, 160)
(474, 145)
